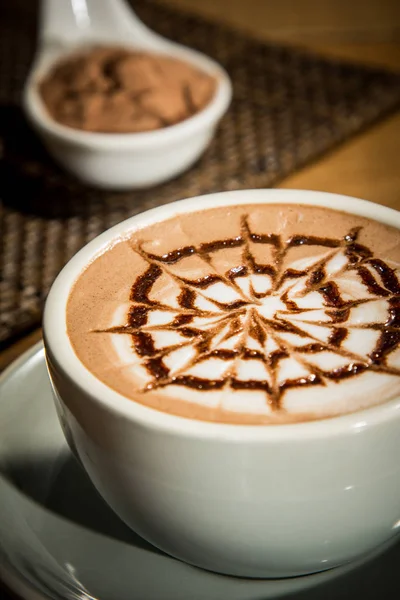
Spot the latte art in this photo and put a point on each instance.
(272, 325)
(278, 319)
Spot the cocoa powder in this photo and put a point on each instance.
(117, 90)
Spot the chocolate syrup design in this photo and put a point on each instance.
(266, 326)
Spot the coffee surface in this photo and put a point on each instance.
(253, 314)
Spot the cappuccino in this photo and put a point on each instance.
(247, 314)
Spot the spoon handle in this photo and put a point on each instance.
(70, 22)
(63, 21)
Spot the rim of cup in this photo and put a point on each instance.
(62, 353)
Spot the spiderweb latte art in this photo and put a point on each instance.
(291, 314)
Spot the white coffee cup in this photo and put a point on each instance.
(254, 501)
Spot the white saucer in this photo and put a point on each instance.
(58, 539)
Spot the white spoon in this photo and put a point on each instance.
(117, 161)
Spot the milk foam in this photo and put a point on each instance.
(284, 327)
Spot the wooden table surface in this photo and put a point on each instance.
(369, 32)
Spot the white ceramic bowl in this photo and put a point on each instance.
(130, 160)
(256, 501)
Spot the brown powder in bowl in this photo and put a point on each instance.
(116, 90)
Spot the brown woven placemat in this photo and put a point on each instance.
(289, 107)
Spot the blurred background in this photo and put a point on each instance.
(366, 31)
(304, 21)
